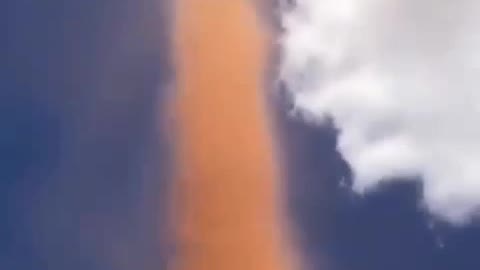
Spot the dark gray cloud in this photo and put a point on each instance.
(83, 160)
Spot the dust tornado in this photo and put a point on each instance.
(227, 197)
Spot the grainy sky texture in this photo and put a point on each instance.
(86, 154)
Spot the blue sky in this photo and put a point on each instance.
(80, 91)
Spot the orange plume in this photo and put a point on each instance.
(228, 209)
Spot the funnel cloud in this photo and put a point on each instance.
(227, 203)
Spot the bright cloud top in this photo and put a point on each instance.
(400, 79)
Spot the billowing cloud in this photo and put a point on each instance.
(400, 79)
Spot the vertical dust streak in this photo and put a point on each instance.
(227, 208)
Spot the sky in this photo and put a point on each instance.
(85, 149)
(373, 67)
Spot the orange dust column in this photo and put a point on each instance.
(227, 208)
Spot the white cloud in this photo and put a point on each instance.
(401, 79)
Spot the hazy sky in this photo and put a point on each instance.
(84, 156)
